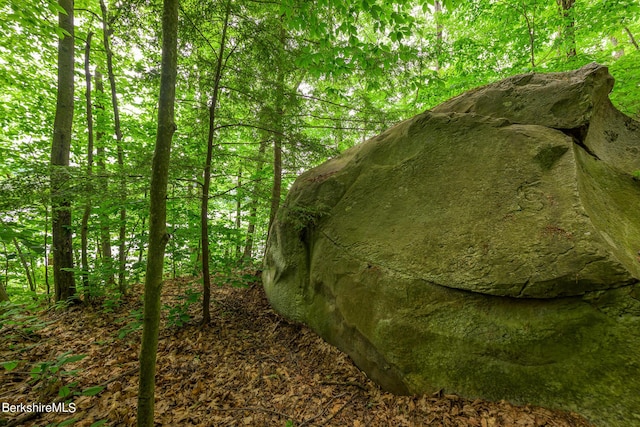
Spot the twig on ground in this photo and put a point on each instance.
(345, 383)
(256, 409)
(324, 409)
(339, 410)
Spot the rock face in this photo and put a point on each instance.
(488, 248)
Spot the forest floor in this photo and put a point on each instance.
(249, 367)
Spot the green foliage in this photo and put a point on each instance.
(10, 365)
(91, 391)
(178, 314)
(49, 377)
(349, 71)
(134, 323)
(69, 422)
(17, 321)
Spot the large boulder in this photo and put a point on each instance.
(488, 248)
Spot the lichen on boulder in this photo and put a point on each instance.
(488, 247)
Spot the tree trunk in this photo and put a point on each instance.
(46, 252)
(631, 38)
(84, 235)
(65, 286)
(437, 9)
(238, 215)
(158, 236)
(569, 33)
(206, 178)
(531, 30)
(3, 292)
(6, 267)
(141, 244)
(122, 235)
(251, 229)
(25, 265)
(276, 191)
(103, 183)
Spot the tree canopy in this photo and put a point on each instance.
(265, 90)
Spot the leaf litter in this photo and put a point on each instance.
(249, 367)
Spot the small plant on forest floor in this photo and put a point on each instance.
(17, 321)
(49, 377)
(179, 314)
(135, 322)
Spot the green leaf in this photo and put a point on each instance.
(10, 365)
(98, 423)
(70, 359)
(67, 422)
(64, 391)
(55, 8)
(92, 391)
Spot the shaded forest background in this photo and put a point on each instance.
(265, 90)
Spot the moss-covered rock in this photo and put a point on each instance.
(489, 247)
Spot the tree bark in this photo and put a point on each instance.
(122, 235)
(253, 213)
(46, 252)
(65, 286)
(3, 294)
(631, 38)
(238, 215)
(276, 191)
(25, 265)
(569, 33)
(531, 30)
(158, 236)
(437, 11)
(84, 234)
(103, 183)
(206, 178)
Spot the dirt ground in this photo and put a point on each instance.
(249, 367)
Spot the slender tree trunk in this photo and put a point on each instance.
(122, 235)
(103, 183)
(206, 178)
(3, 286)
(158, 236)
(46, 250)
(3, 294)
(65, 286)
(87, 208)
(631, 38)
(6, 266)
(569, 33)
(141, 244)
(25, 265)
(531, 30)
(238, 215)
(32, 269)
(253, 213)
(276, 191)
(437, 9)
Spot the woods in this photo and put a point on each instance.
(264, 92)
(129, 156)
